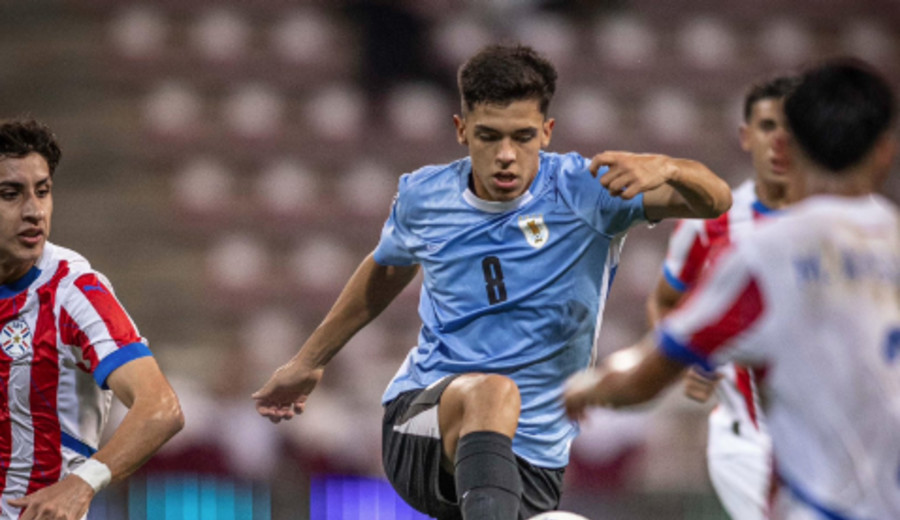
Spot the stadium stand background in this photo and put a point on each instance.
(228, 163)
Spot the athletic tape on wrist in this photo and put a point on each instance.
(95, 473)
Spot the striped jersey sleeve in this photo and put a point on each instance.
(686, 256)
(96, 326)
(726, 306)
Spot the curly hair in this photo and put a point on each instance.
(501, 74)
(775, 88)
(20, 137)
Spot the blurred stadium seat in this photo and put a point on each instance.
(320, 264)
(625, 41)
(139, 32)
(589, 116)
(203, 189)
(417, 111)
(238, 265)
(670, 116)
(366, 189)
(254, 112)
(287, 190)
(785, 42)
(172, 110)
(336, 112)
(707, 42)
(870, 40)
(220, 35)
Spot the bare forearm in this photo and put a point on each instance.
(368, 292)
(149, 423)
(618, 389)
(690, 191)
(662, 301)
(707, 195)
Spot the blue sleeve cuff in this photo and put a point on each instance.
(384, 258)
(676, 284)
(118, 358)
(676, 351)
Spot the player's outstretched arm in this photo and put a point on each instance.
(671, 187)
(698, 385)
(154, 416)
(662, 301)
(615, 384)
(368, 292)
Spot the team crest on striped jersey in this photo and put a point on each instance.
(535, 230)
(15, 339)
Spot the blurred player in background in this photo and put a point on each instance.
(739, 449)
(812, 298)
(67, 345)
(518, 248)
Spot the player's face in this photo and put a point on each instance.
(26, 206)
(766, 137)
(504, 142)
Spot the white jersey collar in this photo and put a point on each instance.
(490, 206)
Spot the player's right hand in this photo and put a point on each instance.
(629, 173)
(286, 392)
(699, 385)
(580, 392)
(68, 499)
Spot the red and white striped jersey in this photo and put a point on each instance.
(814, 296)
(692, 248)
(62, 332)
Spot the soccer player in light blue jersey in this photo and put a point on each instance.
(518, 249)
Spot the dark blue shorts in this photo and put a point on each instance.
(412, 452)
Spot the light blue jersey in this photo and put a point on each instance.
(514, 288)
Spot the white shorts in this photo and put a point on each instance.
(740, 466)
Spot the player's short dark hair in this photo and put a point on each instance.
(773, 88)
(839, 111)
(20, 137)
(501, 74)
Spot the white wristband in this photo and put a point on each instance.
(95, 473)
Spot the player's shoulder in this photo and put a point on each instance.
(55, 256)
(562, 165)
(806, 222)
(63, 264)
(824, 214)
(429, 187)
(568, 173)
(435, 176)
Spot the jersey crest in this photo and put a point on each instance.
(15, 339)
(535, 230)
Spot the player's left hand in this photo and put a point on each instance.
(68, 499)
(580, 392)
(631, 173)
(286, 392)
(700, 385)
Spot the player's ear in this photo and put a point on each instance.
(547, 131)
(744, 136)
(460, 124)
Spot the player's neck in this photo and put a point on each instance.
(10, 273)
(846, 184)
(864, 177)
(773, 195)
